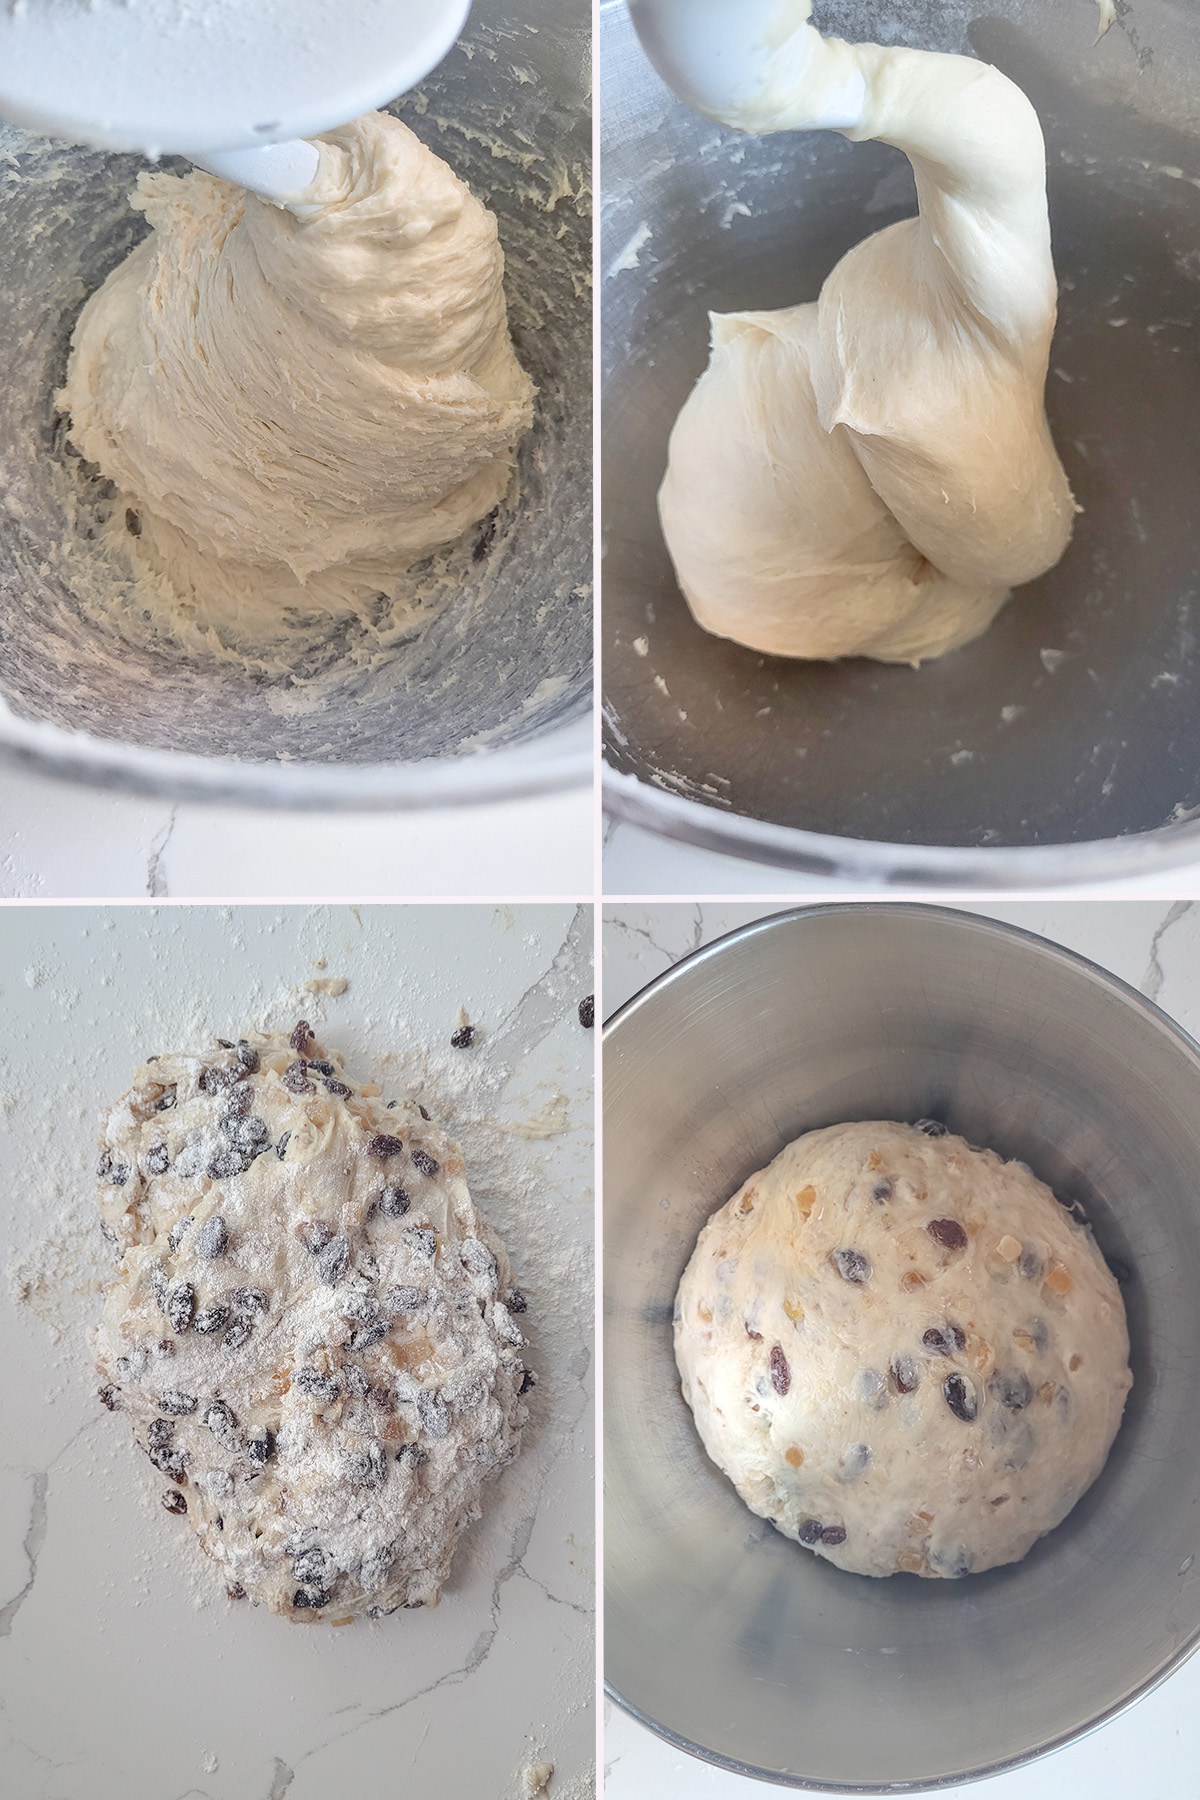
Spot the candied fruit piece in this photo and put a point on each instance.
(806, 1199)
(1008, 1249)
(793, 1455)
(1059, 1280)
(794, 1311)
(912, 1281)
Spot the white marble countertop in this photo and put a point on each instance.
(125, 1673)
(1154, 1748)
(66, 840)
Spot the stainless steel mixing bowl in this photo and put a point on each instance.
(489, 699)
(1065, 744)
(721, 1634)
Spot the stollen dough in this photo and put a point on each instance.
(311, 1329)
(902, 1350)
(871, 473)
(297, 403)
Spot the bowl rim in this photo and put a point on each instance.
(1013, 866)
(553, 761)
(1123, 991)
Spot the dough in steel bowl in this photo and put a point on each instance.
(311, 1328)
(902, 1350)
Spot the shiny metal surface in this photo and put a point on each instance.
(1075, 720)
(448, 717)
(723, 1635)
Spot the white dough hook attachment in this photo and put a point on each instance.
(742, 62)
(232, 84)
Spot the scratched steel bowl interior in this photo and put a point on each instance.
(721, 1634)
(492, 694)
(1075, 719)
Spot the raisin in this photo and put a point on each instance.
(301, 1036)
(478, 1259)
(852, 1266)
(854, 1460)
(314, 1234)
(434, 1414)
(109, 1398)
(177, 1231)
(463, 1038)
(133, 525)
(421, 1110)
(221, 1422)
(960, 1397)
(833, 1534)
(248, 1057)
(528, 1380)
(235, 1591)
(168, 1462)
(904, 1374)
(944, 1340)
(587, 1011)
(516, 1301)
(1031, 1265)
(356, 1381)
(781, 1375)
(226, 1162)
(948, 1233)
(159, 1433)
(810, 1531)
(487, 532)
(237, 1334)
(315, 1598)
(756, 1336)
(176, 1403)
(1011, 1388)
(930, 1127)
(422, 1239)
(424, 1162)
(211, 1319)
(368, 1468)
(372, 1333)
(333, 1259)
(158, 1159)
(238, 1100)
(281, 1146)
(320, 1065)
(337, 1087)
(112, 1171)
(311, 1381)
(181, 1304)
(259, 1448)
(312, 1566)
(881, 1192)
(383, 1145)
(166, 1100)
(214, 1081)
(214, 1238)
(174, 1501)
(393, 1201)
(405, 1299)
(295, 1079)
(251, 1135)
(249, 1300)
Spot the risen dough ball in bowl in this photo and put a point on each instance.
(902, 1350)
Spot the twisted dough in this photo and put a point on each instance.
(870, 474)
